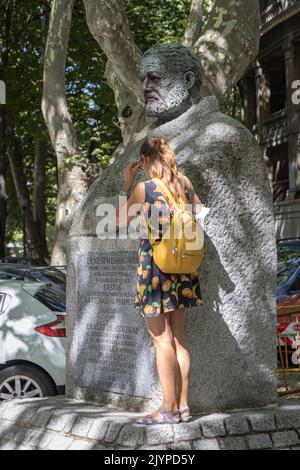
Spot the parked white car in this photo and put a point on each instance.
(32, 339)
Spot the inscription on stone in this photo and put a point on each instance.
(113, 343)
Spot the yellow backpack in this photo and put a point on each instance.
(176, 253)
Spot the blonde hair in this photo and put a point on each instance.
(163, 163)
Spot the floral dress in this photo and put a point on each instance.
(158, 292)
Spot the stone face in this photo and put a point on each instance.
(231, 337)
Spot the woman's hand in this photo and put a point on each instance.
(129, 173)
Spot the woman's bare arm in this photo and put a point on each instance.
(125, 212)
(194, 199)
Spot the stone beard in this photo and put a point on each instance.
(173, 100)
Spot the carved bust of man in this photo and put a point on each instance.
(171, 76)
(237, 353)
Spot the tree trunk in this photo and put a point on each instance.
(228, 45)
(131, 115)
(194, 24)
(6, 12)
(3, 195)
(109, 26)
(71, 183)
(16, 165)
(39, 198)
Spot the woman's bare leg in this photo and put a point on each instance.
(177, 318)
(160, 331)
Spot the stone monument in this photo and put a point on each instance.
(232, 336)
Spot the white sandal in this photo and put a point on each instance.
(166, 417)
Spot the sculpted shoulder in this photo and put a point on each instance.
(220, 131)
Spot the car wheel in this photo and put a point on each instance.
(22, 381)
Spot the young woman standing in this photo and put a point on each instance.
(160, 297)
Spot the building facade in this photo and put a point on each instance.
(270, 92)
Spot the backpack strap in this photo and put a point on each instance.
(166, 191)
(187, 188)
(151, 240)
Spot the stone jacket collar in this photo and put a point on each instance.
(170, 129)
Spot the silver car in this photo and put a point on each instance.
(32, 339)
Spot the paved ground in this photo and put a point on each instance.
(62, 423)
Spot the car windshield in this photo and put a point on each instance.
(56, 277)
(9, 273)
(52, 298)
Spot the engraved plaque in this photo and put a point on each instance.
(113, 343)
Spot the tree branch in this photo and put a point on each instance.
(54, 103)
(194, 25)
(71, 185)
(228, 45)
(109, 26)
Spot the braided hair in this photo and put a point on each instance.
(163, 163)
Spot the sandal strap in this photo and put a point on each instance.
(168, 415)
(184, 410)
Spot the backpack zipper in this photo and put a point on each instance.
(184, 254)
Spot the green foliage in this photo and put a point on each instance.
(153, 21)
(233, 106)
(23, 78)
(90, 100)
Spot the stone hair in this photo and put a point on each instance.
(178, 58)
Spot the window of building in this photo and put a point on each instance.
(277, 83)
(278, 171)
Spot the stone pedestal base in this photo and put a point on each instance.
(60, 423)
